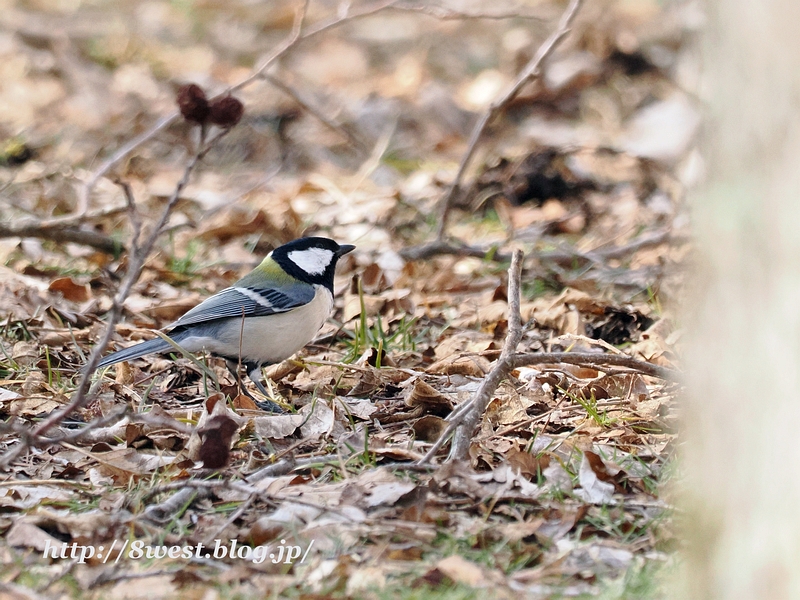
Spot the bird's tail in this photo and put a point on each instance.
(148, 347)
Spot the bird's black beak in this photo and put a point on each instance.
(344, 249)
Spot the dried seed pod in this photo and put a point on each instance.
(193, 103)
(226, 111)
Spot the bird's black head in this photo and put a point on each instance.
(311, 259)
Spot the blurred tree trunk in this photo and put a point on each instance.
(742, 413)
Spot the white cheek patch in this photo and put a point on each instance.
(313, 261)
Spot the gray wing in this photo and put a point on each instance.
(249, 301)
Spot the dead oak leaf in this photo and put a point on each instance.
(129, 464)
(213, 437)
(27, 535)
(388, 493)
(32, 406)
(508, 406)
(429, 428)
(215, 441)
(471, 365)
(423, 395)
(526, 463)
(71, 289)
(313, 419)
(597, 485)
(361, 409)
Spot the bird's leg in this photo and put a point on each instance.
(252, 372)
(233, 369)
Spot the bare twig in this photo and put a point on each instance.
(133, 214)
(592, 359)
(230, 520)
(463, 420)
(604, 253)
(291, 40)
(314, 111)
(289, 464)
(86, 237)
(92, 215)
(163, 422)
(109, 577)
(138, 257)
(102, 429)
(347, 15)
(529, 72)
(243, 488)
(459, 449)
(53, 482)
(585, 359)
(89, 431)
(441, 247)
(166, 510)
(203, 484)
(568, 255)
(445, 13)
(83, 199)
(121, 153)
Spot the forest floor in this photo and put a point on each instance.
(355, 130)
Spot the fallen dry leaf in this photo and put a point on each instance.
(70, 289)
(592, 476)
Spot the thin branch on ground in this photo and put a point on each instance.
(562, 255)
(463, 421)
(89, 430)
(582, 359)
(105, 167)
(459, 449)
(112, 427)
(110, 577)
(133, 214)
(243, 488)
(289, 464)
(531, 71)
(166, 510)
(605, 253)
(452, 248)
(230, 520)
(66, 221)
(62, 235)
(204, 484)
(593, 359)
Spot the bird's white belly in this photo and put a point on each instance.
(267, 339)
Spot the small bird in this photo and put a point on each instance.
(262, 319)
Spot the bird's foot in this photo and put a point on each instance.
(268, 406)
